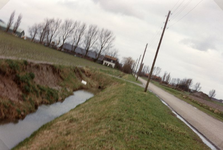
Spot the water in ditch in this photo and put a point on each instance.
(13, 133)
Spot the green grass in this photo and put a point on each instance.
(219, 103)
(43, 86)
(184, 96)
(17, 48)
(131, 78)
(120, 117)
(11, 46)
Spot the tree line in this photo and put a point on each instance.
(79, 34)
(75, 32)
(55, 33)
(186, 84)
(11, 21)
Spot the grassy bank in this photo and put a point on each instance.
(185, 96)
(24, 85)
(17, 48)
(119, 117)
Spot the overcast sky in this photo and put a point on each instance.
(192, 46)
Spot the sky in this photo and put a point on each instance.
(192, 46)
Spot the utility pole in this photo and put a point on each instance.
(134, 67)
(137, 63)
(140, 67)
(157, 51)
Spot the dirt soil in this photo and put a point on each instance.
(44, 75)
(203, 98)
(26, 85)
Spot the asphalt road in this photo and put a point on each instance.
(210, 127)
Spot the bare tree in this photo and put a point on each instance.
(11, 19)
(185, 84)
(128, 64)
(173, 82)
(33, 31)
(106, 39)
(67, 30)
(113, 53)
(90, 38)
(156, 71)
(197, 87)
(53, 29)
(78, 34)
(164, 76)
(147, 70)
(17, 23)
(168, 78)
(177, 82)
(189, 82)
(144, 71)
(43, 30)
(212, 93)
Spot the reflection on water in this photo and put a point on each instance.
(11, 134)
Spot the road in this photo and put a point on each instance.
(211, 128)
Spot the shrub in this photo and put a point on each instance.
(25, 62)
(13, 65)
(32, 75)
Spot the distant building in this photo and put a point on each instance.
(20, 33)
(80, 52)
(109, 61)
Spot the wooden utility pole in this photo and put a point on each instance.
(140, 68)
(138, 63)
(133, 70)
(157, 51)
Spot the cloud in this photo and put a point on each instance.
(200, 44)
(219, 3)
(68, 3)
(120, 7)
(2, 3)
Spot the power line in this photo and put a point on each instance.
(154, 39)
(157, 51)
(174, 5)
(186, 14)
(185, 6)
(178, 7)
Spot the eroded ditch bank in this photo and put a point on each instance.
(121, 116)
(24, 86)
(13, 133)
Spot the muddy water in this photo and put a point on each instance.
(11, 134)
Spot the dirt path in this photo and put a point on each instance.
(211, 128)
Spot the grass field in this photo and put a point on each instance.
(120, 117)
(16, 48)
(22, 49)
